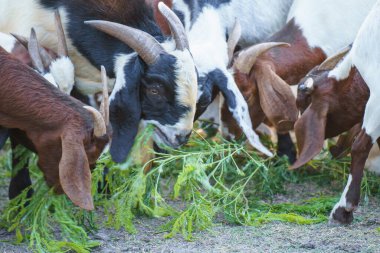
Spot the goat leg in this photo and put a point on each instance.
(285, 147)
(343, 210)
(20, 176)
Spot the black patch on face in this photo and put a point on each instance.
(210, 85)
(158, 93)
(125, 111)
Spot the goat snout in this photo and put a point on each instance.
(182, 139)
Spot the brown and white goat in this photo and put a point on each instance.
(56, 67)
(67, 136)
(334, 99)
(264, 72)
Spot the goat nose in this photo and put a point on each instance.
(182, 139)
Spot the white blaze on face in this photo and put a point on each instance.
(187, 87)
(62, 69)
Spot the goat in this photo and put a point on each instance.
(264, 71)
(57, 68)
(208, 23)
(67, 136)
(155, 76)
(338, 95)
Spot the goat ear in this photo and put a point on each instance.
(4, 134)
(74, 172)
(276, 99)
(160, 19)
(310, 133)
(125, 113)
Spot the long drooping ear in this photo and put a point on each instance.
(276, 99)
(310, 133)
(74, 172)
(4, 134)
(343, 146)
(125, 112)
(238, 107)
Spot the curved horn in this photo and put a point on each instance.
(62, 45)
(176, 27)
(34, 51)
(143, 43)
(248, 57)
(104, 106)
(332, 61)
(233, 40)
(99, 124)
(23, 40)
(45, 56)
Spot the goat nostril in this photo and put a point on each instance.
(181, 139)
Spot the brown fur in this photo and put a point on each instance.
(58, 127)
(344, 102)
(287, 63)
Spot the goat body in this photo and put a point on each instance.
(56, 127)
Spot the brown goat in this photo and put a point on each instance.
(330, 107)
(67, 136)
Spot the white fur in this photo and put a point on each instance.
(20, 16)
(343, 199)
(7, 42)
(120, 62)
(62, 70)
(50, 78)
(330, 25)
(365, 55)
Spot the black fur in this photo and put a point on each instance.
(285, 147)
(4, 134)
(125, 112)
(132, 102)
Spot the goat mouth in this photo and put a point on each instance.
(164, 138)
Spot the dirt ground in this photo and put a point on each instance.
(361, 236)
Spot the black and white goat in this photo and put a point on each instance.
(156, 79)
(208, 24)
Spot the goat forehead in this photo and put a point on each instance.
(186, 79)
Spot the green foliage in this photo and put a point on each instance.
(49, 222)
(209, 177)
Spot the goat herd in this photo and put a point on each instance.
(166, 64)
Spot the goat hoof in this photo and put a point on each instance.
(341, 216)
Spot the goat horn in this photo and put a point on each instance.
(332, 61)
(233, 40)
(248, 57)
(23, 40)
(45, 56)
(148, 48)
(104, 106)
(176, 27)
(62, 45)
(34, 51)
(99, 124)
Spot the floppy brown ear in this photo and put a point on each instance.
(74, 172)
(276, 99)
(310, 133)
